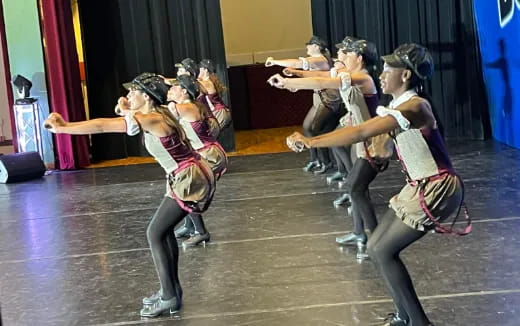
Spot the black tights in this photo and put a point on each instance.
(342, 158)
(387, 241)
(163, 245)
(319, 120)
(358, 180)
(194, 221)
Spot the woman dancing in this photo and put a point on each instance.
(433, 191)
(319, 119)
(192, 118)
(213, 89)
(359, 92)
(190, 182)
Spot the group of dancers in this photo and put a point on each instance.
(408, 126)
(180, 118)
(335, 107)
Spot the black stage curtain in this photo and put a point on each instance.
(123, 38)
(446, 27)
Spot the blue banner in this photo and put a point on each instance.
(498, 28)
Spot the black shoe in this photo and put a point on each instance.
(195, 239)
(157, 295)
(160, 307)
(343, 199)
(183, 231)
(311, 166)
(342, 183)
(394, 320)
(322, 168)
(351, 238)
(151, 299)
(337, 176)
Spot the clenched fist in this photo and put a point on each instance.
(53, 122)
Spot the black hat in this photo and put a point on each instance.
(343, 45)
(365, 49)
(206, 63)
(190, 65)
(412, 56)
(318, 41)
(189, 83)
(151, 84)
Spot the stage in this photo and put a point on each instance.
(73, 248)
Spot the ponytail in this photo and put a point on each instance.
(418, 84)
(219, 86)
(204, 111)
(326, 53)
(374, 74)
(171, 121)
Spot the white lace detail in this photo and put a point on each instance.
(305, 63)
(397, 115)
(346, 81)
(132, 127)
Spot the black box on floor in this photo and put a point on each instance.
(21, 167)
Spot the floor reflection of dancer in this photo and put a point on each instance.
(213, 89)
(192, 116)
(359, 92)
(433, 191)
(190, 181)
(319, 115)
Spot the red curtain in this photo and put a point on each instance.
(3, 44)
(63, 80)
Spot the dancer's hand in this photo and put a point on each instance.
(288, 72)
(122, 107)
(269, 62)
(53, 122)
(277, 81)
(338, 64)
(297, 142)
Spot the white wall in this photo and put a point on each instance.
(254, 30)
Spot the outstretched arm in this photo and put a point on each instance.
(305, 74)
(348, 135)
(319, 63)
(304, 83)
(416, 113)
(56, 124)
(289, 63)
(357, 78)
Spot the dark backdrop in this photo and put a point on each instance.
(123, 38)
(446, 27)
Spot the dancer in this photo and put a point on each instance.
(359, 92)
(189, 67)
(341, 154)
(212, 87)
(433, 191)
(190, 181)
(318, 119)
(192, 117)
